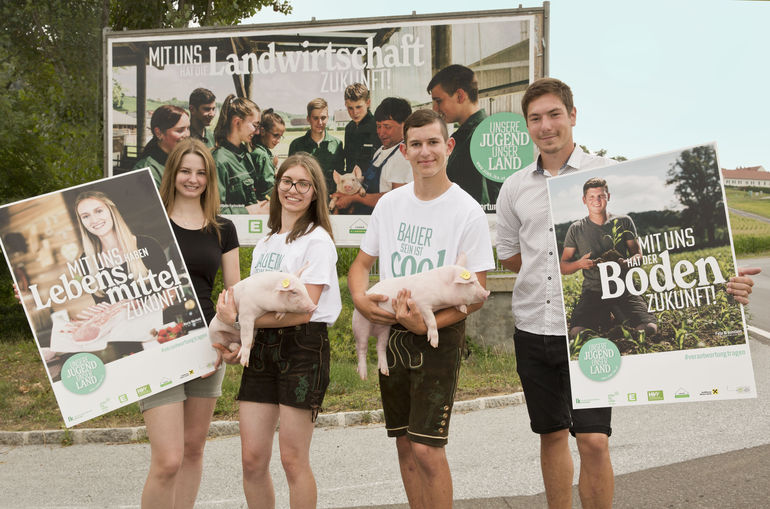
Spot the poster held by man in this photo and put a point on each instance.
(643, 278)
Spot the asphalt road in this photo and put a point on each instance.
(690, 455)
(494, 459)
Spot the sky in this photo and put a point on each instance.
(647, 77)
(624, 183)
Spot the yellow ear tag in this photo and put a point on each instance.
(285, 283)
(465, 274)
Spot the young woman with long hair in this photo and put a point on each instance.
(239, 121)
(288, 370)
(265, 163)
(178, 419)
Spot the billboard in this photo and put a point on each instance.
(106, 293)
(644, 277)
(285, 66)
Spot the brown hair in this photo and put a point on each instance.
(454, 77)
(209, 197)
(318, 212)
(595, 182)
(164, 117)
(356, 92)
(201, 96)
(269, 120)
(545, 86)
(421, 118)
(232, 107)
(318, 103)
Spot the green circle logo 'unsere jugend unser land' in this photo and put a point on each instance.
(599, 359)
(83, 373)
(501, 146)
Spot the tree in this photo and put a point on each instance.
(153, 14)
(602, 152)
(51, 101)
(695, 175)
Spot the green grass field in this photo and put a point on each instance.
(750, 236)
(741, 200)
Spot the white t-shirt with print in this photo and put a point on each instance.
(397, 169)
(317, 249)
(410, 235)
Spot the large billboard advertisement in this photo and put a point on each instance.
(106, 293)
(284, 67)
(644, 280)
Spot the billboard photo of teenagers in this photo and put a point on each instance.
(339, 90)
(643, 277)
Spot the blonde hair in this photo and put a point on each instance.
(126, 240)
(232, 107)
(318, 212)
(210, 196)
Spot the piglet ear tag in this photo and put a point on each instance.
(465, 275)
(285, 283)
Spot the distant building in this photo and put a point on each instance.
(753, 176)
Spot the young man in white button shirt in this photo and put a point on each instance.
(526, 244)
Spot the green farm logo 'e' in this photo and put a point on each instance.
(255, 226)
(501, 146)
(599, 359)
(83, 373)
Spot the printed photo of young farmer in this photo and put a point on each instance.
(647, 270)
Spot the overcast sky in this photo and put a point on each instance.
(648, 77)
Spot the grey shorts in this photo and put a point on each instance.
(209, 387)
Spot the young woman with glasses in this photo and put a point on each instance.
(288, 370)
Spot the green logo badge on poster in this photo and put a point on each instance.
(255, 226)
(654, 395)
(631, 396)
(123, 398)
(144, 389)
(501, 146)
(599, 359)
(83, 373)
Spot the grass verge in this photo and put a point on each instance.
(27, 401)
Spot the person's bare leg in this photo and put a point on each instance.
(257, 427)
(556, 465)
(410, 474)
(294, 436)
(165, 429)
(435, 475)
(597, 482)
(197, 417)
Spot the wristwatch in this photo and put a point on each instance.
(236, 324)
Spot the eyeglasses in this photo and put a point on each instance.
(302, 186)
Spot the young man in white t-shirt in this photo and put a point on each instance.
(419, 226)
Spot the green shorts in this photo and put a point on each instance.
(209, 387)
(288, 366)
(419, 392)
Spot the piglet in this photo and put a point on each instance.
(348, 183)
(440, 288)
(258, 294)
